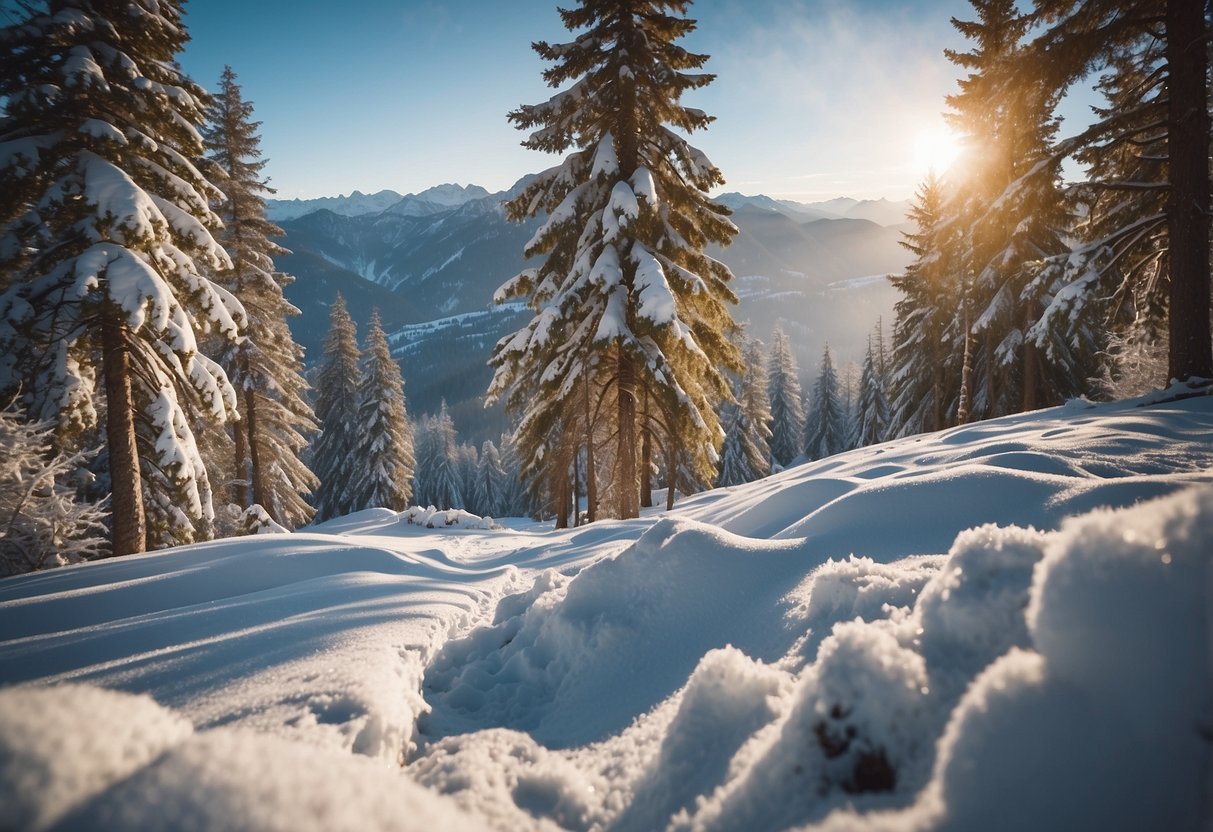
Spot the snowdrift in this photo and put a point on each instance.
(1002, 626)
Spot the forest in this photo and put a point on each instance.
(153, 394)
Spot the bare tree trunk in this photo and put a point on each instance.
(1191, 352)
(130, 522)
(625, 485)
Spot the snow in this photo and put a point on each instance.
(1004, 625)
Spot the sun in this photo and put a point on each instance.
(935, 149)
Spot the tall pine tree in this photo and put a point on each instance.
(105, 236)
(787, 411)
(871, 418)
(625, 300)
(384, 454)
(1148, 152)
(266, 366)
(827, 432)
(337, 386)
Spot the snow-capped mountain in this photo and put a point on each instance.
(421, 262)
(354, 205)
(430, 201)
(880, 211)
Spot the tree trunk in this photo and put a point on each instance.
(671, 477)
(625, 486)
(576, 486)
(240, 479)
(591, 474)
(646, 455)
(966, 372)
(560, 493)
(1031, 360)
(1191, 353)
(259, 489)
(129, 520)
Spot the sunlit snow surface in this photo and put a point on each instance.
(845, 645)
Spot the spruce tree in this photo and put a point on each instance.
(335, 451)
(492, 499)
(437, 479)
(1011, 216)
(871, 422)
(625, 299)
(826, 427)
(787, 411)
(266, 366)
(105, 237)
(746, 455)
(928, 335)
(1146, 241)
(384, 454)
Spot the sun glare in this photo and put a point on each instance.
(935, 149)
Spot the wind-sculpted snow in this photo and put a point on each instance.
(997, 627)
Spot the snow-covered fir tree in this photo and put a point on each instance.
(492, 497)
(42, 523)
(384, 453)
(746, 455)
(516, 502)
(1011, 216)
(871, 418)
(625, 300)
(334, 457)
(467, 463)
(826, 429)
(787, 409)
(436, 480)
(925, 368)
(1146, 241)
(266, 366)
(105, 236)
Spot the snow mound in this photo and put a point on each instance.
(60, 746)
(584, 658)
(81, 758)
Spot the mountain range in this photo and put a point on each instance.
(431, 261)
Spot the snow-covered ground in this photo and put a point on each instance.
(1001, 626)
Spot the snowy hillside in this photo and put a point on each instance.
(1000, 626)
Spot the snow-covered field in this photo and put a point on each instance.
(1001, 626)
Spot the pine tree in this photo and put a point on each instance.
(337, 386)
(492, 498)
(467, 463)
(871, 422)
(1147, 235)
(42, 524)
(826, 431)
(266, 367)
(437, 481)
(625, 300)
(787, 412)
(927, 340)
(746, 455)
(384, 454)
(1011, 216)
(105, 232)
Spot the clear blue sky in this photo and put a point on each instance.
(813, 99)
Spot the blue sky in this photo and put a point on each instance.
(813, 99)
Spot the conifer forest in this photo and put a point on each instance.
(153, 394)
